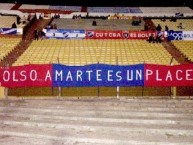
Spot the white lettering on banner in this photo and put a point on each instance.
(177, 75)
(48, 76)
(98, 75)
(6, 76)
(188, 75)
(23, 74)
(118, 75)
(33, 75)
(110, 75)
(79, 75)
(148, 73)
(69, 76)
(111, 35)
(19, 76)
(157, 76)
(14, 77)
(59, 74)
(139, 74)
(89, 74)
(169, 76)
(130, 75)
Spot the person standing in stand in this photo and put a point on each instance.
(36, 36)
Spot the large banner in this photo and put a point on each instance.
(160, 75)
(18, 31)
(141, 34)
(98, 75)
(64, 34)
(175, 35)
(107, 34)
(118, 34)
(187, 35)
(26, 76)
(8, 30)
(57, 75)
(180, 35)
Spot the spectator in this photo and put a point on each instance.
(146, 27)
(180, 26)
(54, 26)
(166, 28)
(18, 20)
(158, 28)
(94, 23)
(158, 39)
(36, 35)
(43, 34)
(29, 17)
(151, 39)
(14, 25)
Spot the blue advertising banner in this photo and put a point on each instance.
(64, 34)
(175, 35)
(8, 30)
(97, 75)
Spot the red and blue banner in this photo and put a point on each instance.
(56, 75)
(8, 30)
(118, 34)
(64, 34)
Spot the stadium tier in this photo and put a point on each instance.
(6, 6)
(66, 8)
(101, 24)
(7, 22)
(7, 45)
(165, 10)
(31, 7)
(83, 52)
(185, 47)
(113, 10)
(186, 24)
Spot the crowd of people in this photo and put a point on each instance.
(39, 34)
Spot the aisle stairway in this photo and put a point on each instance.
(96, 122)
(23, 45)
(177, 55)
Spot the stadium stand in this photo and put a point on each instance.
(7, 21)
(7, 45)
(187, 24)
(31, 7)
(101, 24)
(66, 8)
(114, 10)
(166, 10)
(6, 6)
(83, 52)
(185, 47)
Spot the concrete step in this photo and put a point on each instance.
(96, 134)
(96, 122)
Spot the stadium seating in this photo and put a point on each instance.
(7, 45)
(185, 47)
(66, 8)
(158, 10)
(31, 7)
(83, 52)
(187, 24)
(114, 10)
(7, 21)
(6, 6)
(101, 24)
